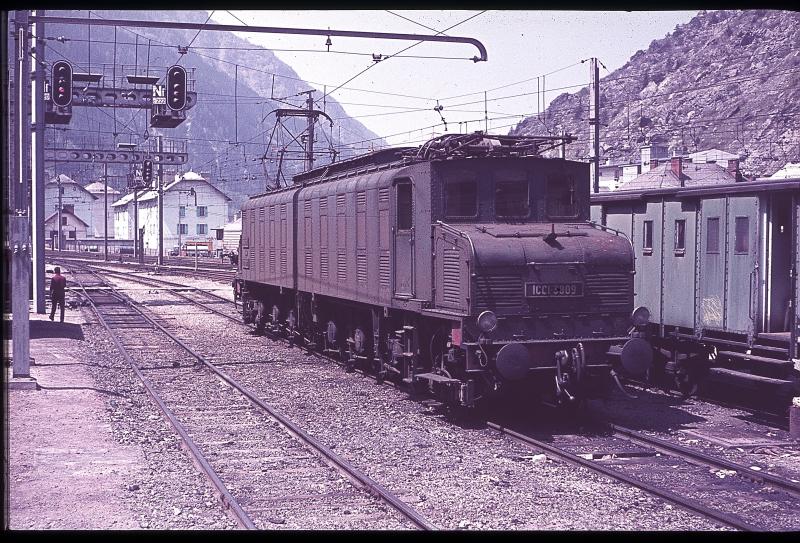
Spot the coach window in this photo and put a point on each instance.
(680, 237)
(511, 200)
(741, 244)
(405, 207)
(461, 196)
(712, 236)
(561, 199)
(647, 238)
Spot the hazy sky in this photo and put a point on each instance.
(521, 45)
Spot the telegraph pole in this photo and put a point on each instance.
(594, 122)
(105, 211)
(19, 222)
(38, 174)
(160, 207)
(60, 207)
(310, 143)
(136, 254)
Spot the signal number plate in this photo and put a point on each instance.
(555, 290)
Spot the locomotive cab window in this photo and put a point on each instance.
(461, 197)
(405, 207)
(511, 199)
(562, 202)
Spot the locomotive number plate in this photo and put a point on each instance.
(556, 290)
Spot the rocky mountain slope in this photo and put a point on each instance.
(726, 79)
(226, 137)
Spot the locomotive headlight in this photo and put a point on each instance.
(640, 316)
(487, 321)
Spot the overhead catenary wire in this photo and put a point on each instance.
(611, 103)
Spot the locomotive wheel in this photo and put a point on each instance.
(685, 383)
(361, 346)
(261, 317)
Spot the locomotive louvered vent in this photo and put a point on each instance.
(307, 208)
(323, 264)
(309, 264)
(609, 291)
(283, 210)
(341, 265)
(451, 276)
(340, 203)
(384, 269)
(262, 261)
(272, 260)
(361, 199)
(383, 196)
(498, 291)
(283, 261)
(361, 268)
(261, 214)
(323, 205)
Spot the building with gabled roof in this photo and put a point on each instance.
(194, 210)
(677, 172)
(85, 202)
(73, 228)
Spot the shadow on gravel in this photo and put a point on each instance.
(99, 390)
(49, 329)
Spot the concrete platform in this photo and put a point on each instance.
(64, 468)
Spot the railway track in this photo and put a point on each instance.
(208, 269)
(627, 455)
(256, 459)
(723, 491)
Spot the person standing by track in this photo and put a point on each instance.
(58, 285)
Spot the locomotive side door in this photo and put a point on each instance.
(404, 239)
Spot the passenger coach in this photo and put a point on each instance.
(716, 263)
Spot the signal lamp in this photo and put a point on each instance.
(62, 81)
(176, 82)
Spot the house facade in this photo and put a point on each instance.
(194, 210)
(73, 229)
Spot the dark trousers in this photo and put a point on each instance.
(55, 302)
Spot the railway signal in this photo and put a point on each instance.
(176, 87)
(147, 172)
(62, 83)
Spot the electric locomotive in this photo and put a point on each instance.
(466, 266)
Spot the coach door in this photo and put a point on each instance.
(404, 239)
(744, 276)
(776, 263)
(713, 262)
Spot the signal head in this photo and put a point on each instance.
(176, 80)
(62, 73)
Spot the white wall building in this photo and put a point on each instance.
(790, 171)
(193, 210)
(98, 210)
(85, 203)
(722, 158)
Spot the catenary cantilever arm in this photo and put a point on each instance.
(260, 29)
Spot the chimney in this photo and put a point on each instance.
(653, 163)
(676, 165)
(733, 169)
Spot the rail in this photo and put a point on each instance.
(337, 462)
